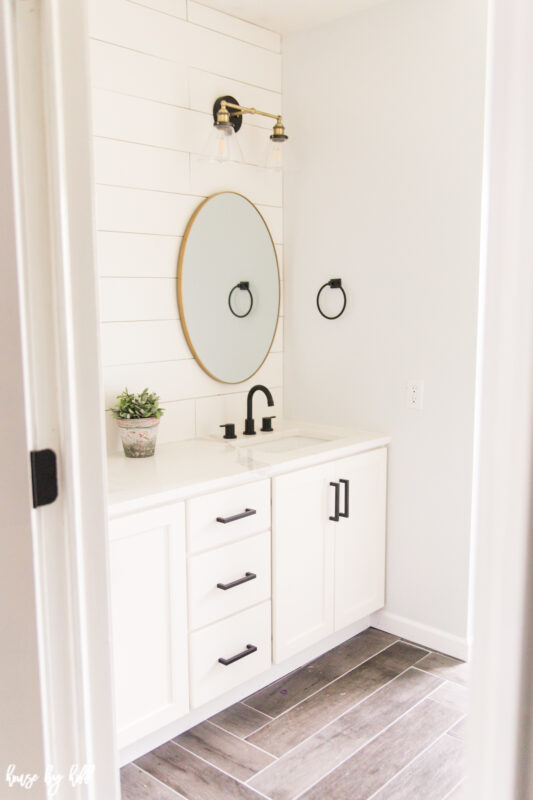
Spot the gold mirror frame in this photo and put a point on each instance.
(181, 257)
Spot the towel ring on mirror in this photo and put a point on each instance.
(245, 286)
(334, 283)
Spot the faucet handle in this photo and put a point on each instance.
(229, 430)
(267, 424)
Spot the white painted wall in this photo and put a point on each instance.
(157, 67)
(384, 191)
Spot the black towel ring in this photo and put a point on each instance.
(334, 283)
(245, 286)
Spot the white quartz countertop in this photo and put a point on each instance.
(197, 466)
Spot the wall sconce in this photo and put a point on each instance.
(223, 145)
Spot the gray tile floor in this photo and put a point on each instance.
(376, 717)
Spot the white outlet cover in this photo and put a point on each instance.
(415, 394)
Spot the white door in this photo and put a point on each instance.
(360, 538)
(302, 560)
(149, 617)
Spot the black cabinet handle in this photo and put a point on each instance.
(250, 648)
(346, 512)
(248, 512)
(335, 518)
(248, 576)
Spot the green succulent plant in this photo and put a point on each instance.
(137, 406)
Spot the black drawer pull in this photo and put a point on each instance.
(248, 512)
(335, 517)
(248, 576)
(346, 512)
(250, 648)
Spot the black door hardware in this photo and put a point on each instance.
(267, 424)
(229, 430)
(249, 424)
(248, 512)
(250, 648)
(245, 287)
(248, 576)
(335, 517)
(334, 283)
(43, 477)
(346, 512)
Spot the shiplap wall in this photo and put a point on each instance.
(157, 66)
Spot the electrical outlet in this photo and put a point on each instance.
(415, 394)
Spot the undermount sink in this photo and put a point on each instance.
(283, 444)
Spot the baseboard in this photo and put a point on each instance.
(197, 715)
(425, 635)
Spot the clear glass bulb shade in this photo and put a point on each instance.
(222, 145)
(276, 157)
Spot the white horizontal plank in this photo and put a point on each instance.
(231, 26)
(274, 219)
(176, 425)
(124, 299)
(211, 412)
(131, 255)
(205, 87)
(141, 167)
(121, 70)
(140, 211)
(139, 28)
(238, 60)
(184, 380)
(134, 119)
(259, 184)
(142, 342)
(176, 8)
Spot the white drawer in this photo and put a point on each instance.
(226, 639)
(233, 505)
(227, 565)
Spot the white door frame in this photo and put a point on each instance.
(46, 51)
(499, 746)
(47, 86)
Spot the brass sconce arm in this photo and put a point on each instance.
(227, 111)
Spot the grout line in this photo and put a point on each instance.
(454, 789)
(235, 38)
(136, 233)
(263, 712)
(162, 783)
(188, 66)
(377, 735)
(240, 739)
(304, 699)
(419, 755)
(450, 680)
(347, 711)
(157, 10)
(180, 194)
(227, 14)
(218, 769)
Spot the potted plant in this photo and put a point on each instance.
(137, 418)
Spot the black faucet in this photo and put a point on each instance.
(249, 424)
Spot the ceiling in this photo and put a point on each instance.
(286, 16)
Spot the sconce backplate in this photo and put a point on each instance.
(235, 119)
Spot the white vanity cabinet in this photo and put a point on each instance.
(149, 618)
(328, 567)
(214, 580)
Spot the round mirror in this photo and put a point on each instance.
(228, 287)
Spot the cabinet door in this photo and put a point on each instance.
(149, 616)
(302, 560)
(360, 538)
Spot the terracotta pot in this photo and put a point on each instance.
(138, 436)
